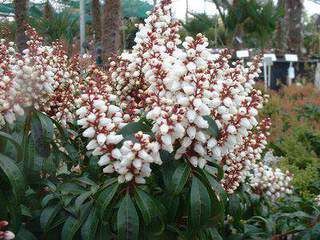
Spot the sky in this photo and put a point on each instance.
(201, 6)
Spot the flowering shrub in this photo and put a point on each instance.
(174, 130)
(200, 108)
(41, 76)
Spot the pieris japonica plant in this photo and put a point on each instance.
(38, 88)
(153, 148)
(172, 123)
(41, 77)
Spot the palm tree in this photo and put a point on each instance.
(21, 16)
(246, 22)
(58, 26)
(294, 25)
(111, 38)
(96, 19)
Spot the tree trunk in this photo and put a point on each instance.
(21, 15)
(280, 30)
(294, 25)
(96, 20)
(111, 38)
(239, 31)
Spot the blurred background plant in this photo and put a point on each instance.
(295, 134)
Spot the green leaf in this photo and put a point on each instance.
(72, 224)
(180, 178)
(47, 216)
(200, 204)
(182, 235)
(172, 204)
(39, 136)
(24, 234)
(63, 132)
(47, 125)
(51, 185)
(70, 188)
(127, 220)
(104, 232)
(90, 227)
(45, 201)
(214, 234)
(85, 180)
(7, 137)
(145, 204)
(13, 174)
(216, 186)
(134, 127)
(213, 127)
(213, 163)
(14, 209)
(216, 192)
(235, 209)
(33, 162)
(106, 197)
(81, 199)
(73, 153)
(25, 211)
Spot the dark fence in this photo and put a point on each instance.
(304, 72)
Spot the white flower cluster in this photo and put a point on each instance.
(186, 86)
(67, 86)
(272, 182)
(132, 160)
(270, 159)
(9, 104)
(159, 33)
(237, 164)
(102, 121)
(41, 76)
(187, 94)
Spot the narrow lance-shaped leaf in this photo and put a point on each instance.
(72, 224)
(216, 186)
(106, 197)
(180, 178)
(90, 227)
(39, 137)
(213, 127)
(145, 204)
(134, 127)
(127, 220)
(200, 204)
(8, 137)
(14, 175)
(214, 164)
(47, 216)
